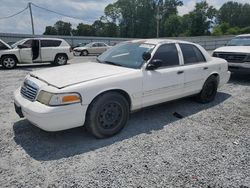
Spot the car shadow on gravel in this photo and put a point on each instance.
(46, 146)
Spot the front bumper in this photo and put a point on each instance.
(239, 67)
(50, 118)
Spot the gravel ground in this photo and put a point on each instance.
(208, 147)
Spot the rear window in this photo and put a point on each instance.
(191, 54)
(50, 43)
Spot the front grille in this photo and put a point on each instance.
(29, 90)
(231, 57)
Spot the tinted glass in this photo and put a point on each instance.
(2, 46)
(168, 54)
(191, 54)
(127, 54)
(50, 43)
(101, 44)
(27, 44)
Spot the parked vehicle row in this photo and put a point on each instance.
(35, 50)
(127, 77)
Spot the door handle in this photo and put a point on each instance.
(180, 72)
(205, 68)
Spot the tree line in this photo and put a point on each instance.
(137, 19)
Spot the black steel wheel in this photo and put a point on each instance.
(107, 115)
(209, 90)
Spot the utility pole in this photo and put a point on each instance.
(31, 18)
(158, 18)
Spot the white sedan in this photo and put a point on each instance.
(127, 77)
(91, 48)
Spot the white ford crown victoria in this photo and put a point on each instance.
(127, 77)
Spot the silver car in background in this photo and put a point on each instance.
(91, 48)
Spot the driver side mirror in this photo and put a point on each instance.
(154, 64)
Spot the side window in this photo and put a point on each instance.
(168, 54)
(95, 45)
(191, 54)
(2, 46)
(28, 43)
(100, 44)
(50, 43)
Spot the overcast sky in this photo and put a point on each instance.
(88, 10)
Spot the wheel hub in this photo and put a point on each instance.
(110, 115)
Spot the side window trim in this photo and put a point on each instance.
(180, 54)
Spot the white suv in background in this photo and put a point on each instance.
(36, 50)
(91, 48)
(237, 53)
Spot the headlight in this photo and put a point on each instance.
(52, 99)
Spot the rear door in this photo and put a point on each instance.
(195, 68)
(166, 82)
(49, 48)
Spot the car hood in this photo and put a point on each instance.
(236, 49)
(4, 43)
(61, 77)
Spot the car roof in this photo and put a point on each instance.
(244, 35)
(159, 41)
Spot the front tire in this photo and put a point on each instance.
(209, 90)
(84, 53)
(107, 115)
(60, 59)
(9, 62)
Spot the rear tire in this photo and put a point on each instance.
(9, 62)
(107, 115)
(60, 59)
(209, 90)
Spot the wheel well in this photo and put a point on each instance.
(62, 54)
(217, 76)
(85, 50)
(12, 55)
(121, 92)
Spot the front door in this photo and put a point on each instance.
(26, 52)
(166, 82)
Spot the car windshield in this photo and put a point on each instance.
(89, 45)
(17, 43)
(239, 41)
(127, 54)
